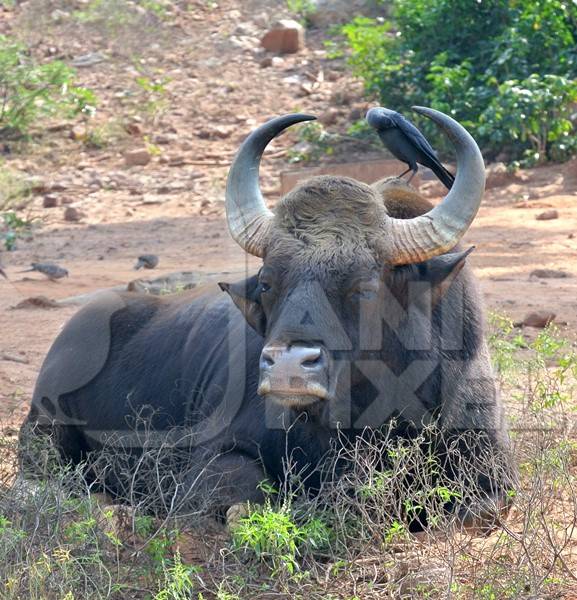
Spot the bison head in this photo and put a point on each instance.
(338, 263)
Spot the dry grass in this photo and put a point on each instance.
(59, 540)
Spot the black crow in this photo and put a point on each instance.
(407, 143)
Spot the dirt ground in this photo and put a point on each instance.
(173, 207)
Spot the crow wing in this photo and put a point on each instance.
(415, 136)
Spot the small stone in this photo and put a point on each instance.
(138, 157)
(549, 274)
(176, 160)
(265, 62)
(7, 356)
(329, 117)
(547, 215)
(50, 201)
(36, 302)
(217, 132)
(164, 138)
(235, 513)
(133, 129)
(72, 214)
(149, 199)
(59, 15)
(538, 319)
(286, 37)
(78, 133)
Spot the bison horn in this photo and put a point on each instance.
(249, 219)
(439, 230)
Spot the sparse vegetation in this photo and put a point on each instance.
(30, 91)
(314, 142)
(14, 188)
(13, 228)
(56, 540)
(505, 70)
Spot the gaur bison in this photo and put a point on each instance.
(363, 313)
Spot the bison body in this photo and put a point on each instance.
(328, 339)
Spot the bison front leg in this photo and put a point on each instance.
(221, 482)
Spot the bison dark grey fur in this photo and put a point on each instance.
(331, 336)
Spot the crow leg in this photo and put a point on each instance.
(404, 172)
(414, 169)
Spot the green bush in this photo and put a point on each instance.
(30, 91)
(505, 69)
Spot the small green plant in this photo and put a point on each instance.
(152, 96)
(272, 535)
(30, 91)
(314, 142)
(13, 228)
(504, 342)
(178, 581)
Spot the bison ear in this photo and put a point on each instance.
(442, 270)
(246, 296)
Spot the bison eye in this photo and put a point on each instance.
(264, 287)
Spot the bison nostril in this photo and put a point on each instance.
(312, 359)
(311, 362)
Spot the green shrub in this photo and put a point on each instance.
(30, 91)
(274, 536)
(506, 70)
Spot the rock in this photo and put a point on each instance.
(139, 157)
(285, 37)
(72, 214)
(176, 160)
(329, 117)
(17, 358)
(78, 133)
(538, 319)
(167, 284)
(149, 199)
(58, 16)
(36, 302)
(133, 129)
(50, 201)
(549, 274)
(271, 61)
(164, 138)
(215, 132)
(116, 521)
(88, 60)
(570, 236)
(547, 215)
(498, 175)
(235, 513)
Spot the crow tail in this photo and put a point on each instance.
(445, 176)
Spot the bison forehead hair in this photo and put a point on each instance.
(328, 217)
